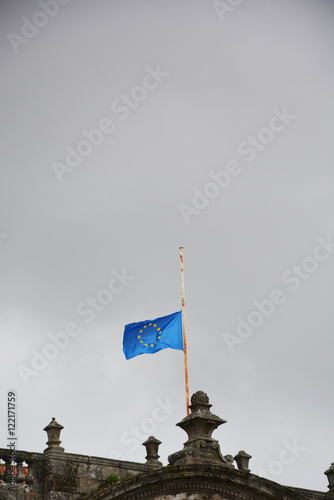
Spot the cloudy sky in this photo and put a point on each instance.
(130, 128)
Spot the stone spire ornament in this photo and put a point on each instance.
(330, 476)
(199, 425)
(53, 431)
(152, 445)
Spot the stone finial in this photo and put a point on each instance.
(199, 397)
(152, 445)
(53, 431)
(330, 475)
(242, 459)
(199, 425)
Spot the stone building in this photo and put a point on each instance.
(198, 472)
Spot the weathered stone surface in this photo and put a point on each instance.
(108, 471)
(152, 445)
(53, 430)
(310, 494)
(199, 425)
(191, 496)
(330, 476)
(67, 484)
(34, 496)
(242, 459)
(87, 485)
(60, 467)
(91, 471)
(17, 494)
(56, 495)
(129, 473)
(198, 472)
(201, 482)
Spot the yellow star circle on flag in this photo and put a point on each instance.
(148, 334)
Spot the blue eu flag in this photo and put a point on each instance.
(153, 335)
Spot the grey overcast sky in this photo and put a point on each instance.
(130, 128)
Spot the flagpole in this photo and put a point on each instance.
(184, 331)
